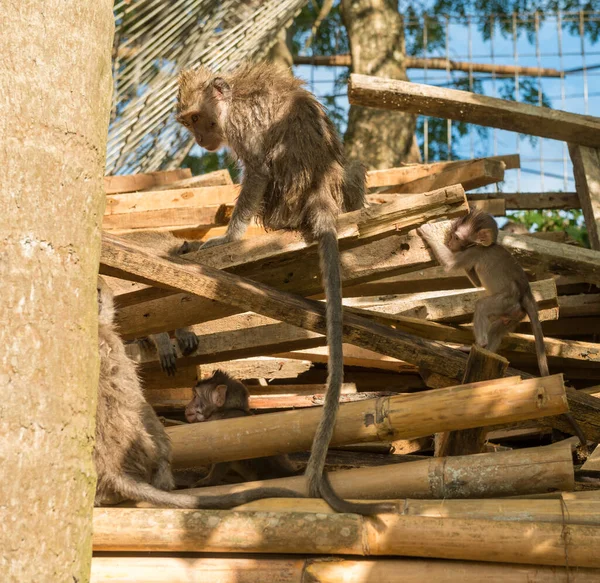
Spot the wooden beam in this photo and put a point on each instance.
(133, 182)
(482, 365)
(456, 305)
(398, 417)
(216, 178)
(168, 219)
(436, 63)
(530, 200)
(138, 202)
(586, 168)
(471, 175)
(473, 108)
(412, 172)
(554, 257)
(245, 294)
(310, 570)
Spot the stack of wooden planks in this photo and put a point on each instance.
(462, 439)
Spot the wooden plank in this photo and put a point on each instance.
(168, 219)
(412, 172)
(246, 295)
(530, 200)
(216, 178)
(473, 108)
(138, 202)
(494, 207)
(586, 168)
(471, 175)
(289, 263)
(133, 182)
(450, 305)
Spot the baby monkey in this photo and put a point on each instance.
(472, 245)
(223, 397)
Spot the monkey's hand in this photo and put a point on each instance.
(215, 241)
(427, 231)
(187, 340)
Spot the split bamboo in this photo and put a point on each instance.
(397, 417)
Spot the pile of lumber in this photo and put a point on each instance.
(471, 445)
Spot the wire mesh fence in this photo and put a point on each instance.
(549, 58)
(154, 39)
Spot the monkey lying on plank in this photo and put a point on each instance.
(223, 397)
(295, 177)
(169, 246)
(472, 245)
(132, 453)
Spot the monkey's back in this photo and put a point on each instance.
(122, 442)
(496, 266)
(281, 131)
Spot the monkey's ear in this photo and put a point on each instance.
(221, 88)
(219, 395)
(485, 237)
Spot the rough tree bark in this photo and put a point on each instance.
(55, 83)
(379, 138)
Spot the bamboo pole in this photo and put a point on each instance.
(560, 511)
(397, 417)
(487, 475)
(324, 570)
(482, 365)
(178, 530)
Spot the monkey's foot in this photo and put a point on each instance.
(188, 341)
(168, 361)
(215, 241)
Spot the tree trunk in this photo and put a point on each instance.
(55, 83)
(280, 53)
(379, 138)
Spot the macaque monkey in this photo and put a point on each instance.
(295, 177)
(169, 246)
(472, 245)
(132, 453)
(223, 397)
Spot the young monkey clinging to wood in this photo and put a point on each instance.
(295, 177)
(472, 245)
(132, 453)
(223, 397)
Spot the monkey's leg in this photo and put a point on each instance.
(498, 330)
(187, 341)
(166, 352)
(489, 307)
(215, 475)
(246, 207)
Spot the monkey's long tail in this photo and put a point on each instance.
(318, 483)
(132, 489)
(540, 349)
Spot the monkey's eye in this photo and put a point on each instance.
(213, 124)
(194, 118)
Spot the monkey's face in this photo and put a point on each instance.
(205, 124)
(458, 239)
(208, 398)
(106, 306)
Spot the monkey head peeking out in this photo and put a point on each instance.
(223, 397)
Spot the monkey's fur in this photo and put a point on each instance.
(132, 454)
(295, 177)
(472, 244)
(223, 397)
(169, 246)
